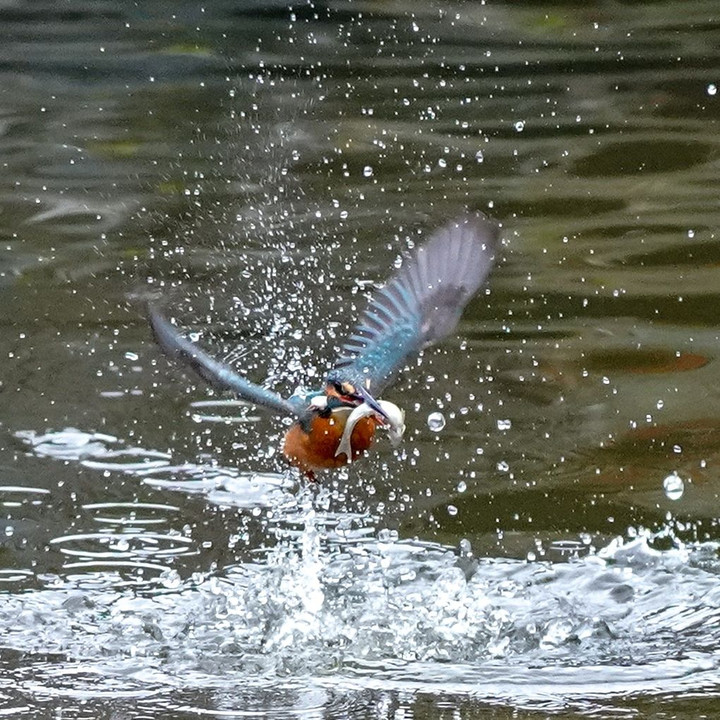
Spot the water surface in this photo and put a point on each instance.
(548, 547)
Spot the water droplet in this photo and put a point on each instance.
(452, 510)
(368, 171)
(531, 557)
(712, 89)
(660, 404)
(673, 486)
(461, 486)
(520, 125)
(504, 424)
(387, 536)
(122, 545)
(691, 233)
(171, 579)
(436, 421)
(479, 157)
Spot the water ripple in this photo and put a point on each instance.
(345, 606)
(223, 486)
(92, 449)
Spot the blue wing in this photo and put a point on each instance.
(213, 371)
(419, 305)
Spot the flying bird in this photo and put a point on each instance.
(421, 304)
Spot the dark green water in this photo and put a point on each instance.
(551, 551)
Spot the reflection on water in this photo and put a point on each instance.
(544, 541)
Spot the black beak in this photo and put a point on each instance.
(369, 400)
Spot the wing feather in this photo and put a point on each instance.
(421, 304)
(213, 371)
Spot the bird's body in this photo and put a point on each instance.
(317, 448)
(421, 304)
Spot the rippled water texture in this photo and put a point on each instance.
(545, 540)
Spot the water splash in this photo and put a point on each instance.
(673, 486)
(344, 607)
(405, 616)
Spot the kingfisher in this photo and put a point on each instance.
(420, 305)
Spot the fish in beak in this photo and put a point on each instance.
(389, 415)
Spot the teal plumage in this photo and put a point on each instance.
(421, 304)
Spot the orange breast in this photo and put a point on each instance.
(316, 450)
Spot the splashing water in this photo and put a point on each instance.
(436, 421)
(346, 607)
(673, 486)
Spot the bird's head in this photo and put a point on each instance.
(352, 394)
(348, 394)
